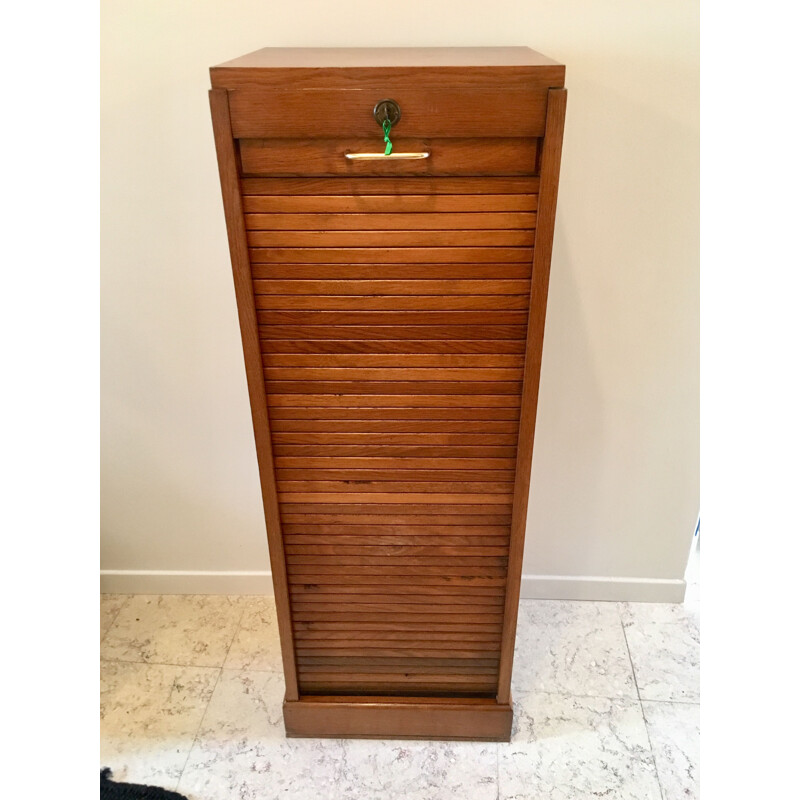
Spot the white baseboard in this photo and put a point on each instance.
(579, 587)
(130, 581)
(543, 587)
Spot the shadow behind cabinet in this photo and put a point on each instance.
(392, 314)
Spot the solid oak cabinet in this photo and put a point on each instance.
(392, 312)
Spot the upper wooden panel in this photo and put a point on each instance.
(440, 112)
(390, 68)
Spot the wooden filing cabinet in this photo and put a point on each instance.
(392, 313)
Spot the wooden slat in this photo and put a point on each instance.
(416, 687)
(444, 360)
(394, 550)
(431, 591)
(398, 661)
(477, 689)
(489, 156)
(403, 430)
(366, 288)
(334, 580)
(397, 450)
(434, 487)
(410, 668)
(497, 220)
(453, 401)
(485, 270)
(348, 393)
(397, 255)
(401, 374)
(389, 185)
(399, 415)
(395, 318)
(392, 332)
(362, 475)
(422, 641)
(396, 570)
(398, 628)
(404, 346)
(408, 303)
(383, 203)
(392, 238)
(415, 652)
(316, 680)
(386, 616)
(425, 426)
(475, 526)
(378, 647)
(398, 503)
(407, 561)
(346, 462)
(343, 600)
(396, 438)
(375, 537)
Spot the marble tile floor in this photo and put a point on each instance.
(606, 706)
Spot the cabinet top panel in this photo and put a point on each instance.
(324, 66)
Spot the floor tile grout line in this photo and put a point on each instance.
(235, 633)
(641, 707)
(116, 616)
(106, 660)
(210, 697)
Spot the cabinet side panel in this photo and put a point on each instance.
(548, 194)
(243, 284)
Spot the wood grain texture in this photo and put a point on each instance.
(551, 163)
(327, 437)
(357, 476)
(391, 316)
(401, 272)
(465, 426)
(402, 318)
(438, 112)
(384, 205)
(400, 255)
(322, 223)
(389, 203)
(388, 718)
(403, 346)
(387, 186)
(498, 156)
(396, 401)
(391, 238)
(237, 239)
(410, 302)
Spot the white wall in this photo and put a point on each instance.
(615, 475)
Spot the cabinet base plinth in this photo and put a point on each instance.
(398, 718)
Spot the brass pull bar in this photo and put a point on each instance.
(382, 157)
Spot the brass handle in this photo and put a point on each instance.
(381, 156)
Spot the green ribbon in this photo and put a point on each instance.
(387, 126)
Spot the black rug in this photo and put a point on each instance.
(110, 790)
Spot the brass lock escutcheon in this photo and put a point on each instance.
(386, 109)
